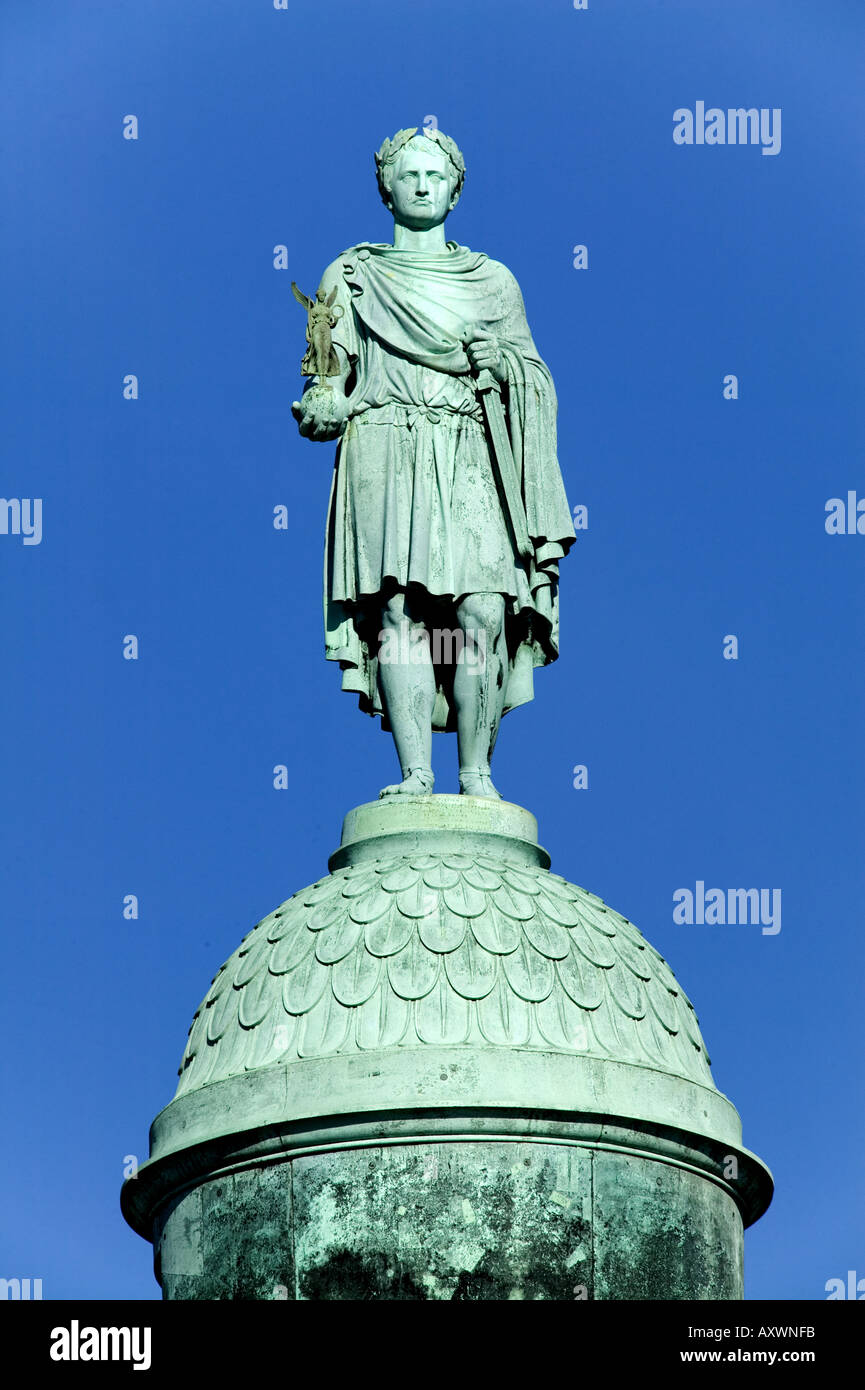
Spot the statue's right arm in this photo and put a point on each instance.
(324, 416)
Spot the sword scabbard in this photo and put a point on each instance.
(490, 391)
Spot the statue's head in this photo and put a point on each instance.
(420, 177)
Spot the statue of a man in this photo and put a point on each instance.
(435, 610)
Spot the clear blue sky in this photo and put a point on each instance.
(706, 518)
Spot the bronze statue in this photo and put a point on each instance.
(320, 358)
(448, 515)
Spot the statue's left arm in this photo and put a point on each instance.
(531, 409)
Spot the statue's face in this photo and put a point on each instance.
(420, 189)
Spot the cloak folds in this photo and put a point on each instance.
(413, 502)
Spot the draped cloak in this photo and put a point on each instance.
(414, 503)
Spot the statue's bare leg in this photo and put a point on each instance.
(408, 688)
(479, 689)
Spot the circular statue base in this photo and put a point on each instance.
(444, 1072)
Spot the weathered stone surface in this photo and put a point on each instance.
(231, 1238)
(443, 1221)
(662, 1232)
(443, 1072)
(470, 1220)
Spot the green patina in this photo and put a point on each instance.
(442, 1071)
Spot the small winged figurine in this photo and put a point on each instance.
(320, 358)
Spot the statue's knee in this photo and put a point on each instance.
(483, 613)
(393, 611)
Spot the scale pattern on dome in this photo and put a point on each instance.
(442, 950)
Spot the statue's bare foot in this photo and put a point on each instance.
(476, 781)
(419, 781)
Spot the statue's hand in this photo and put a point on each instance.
(482, 350)
(321, 413)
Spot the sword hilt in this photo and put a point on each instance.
(487, 382)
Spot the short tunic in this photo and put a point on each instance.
(415, 504)
(415, 499)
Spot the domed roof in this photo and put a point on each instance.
(463, 939)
